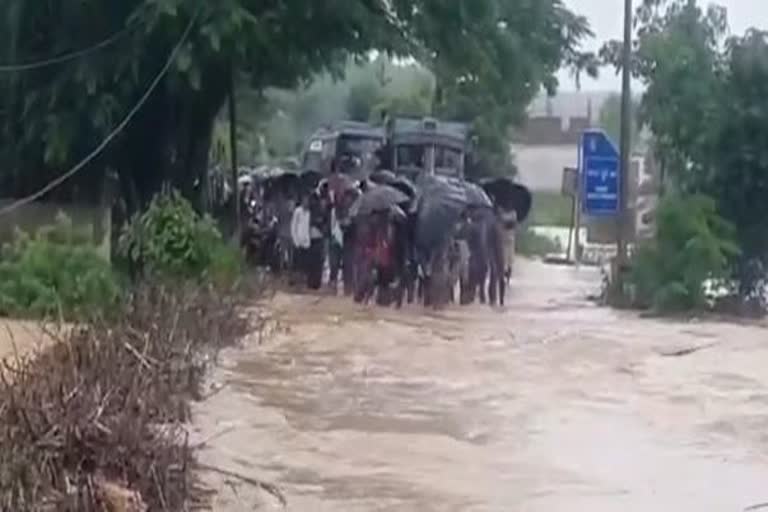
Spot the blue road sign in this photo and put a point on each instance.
(600, 164)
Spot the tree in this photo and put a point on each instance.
(610, 119)
(500, 51)
(704, 102)
(675, 55)
(409, 92)
(361, 100)
(169, 139)
(738, 174)
(489, 71)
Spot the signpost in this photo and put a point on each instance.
(600, 165)
(570, 188)
(570, 183)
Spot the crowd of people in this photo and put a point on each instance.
(298, 227)
(368, 237)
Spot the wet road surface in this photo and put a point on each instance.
(552, 405)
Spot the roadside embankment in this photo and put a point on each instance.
(97, 419)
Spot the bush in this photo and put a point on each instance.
(57, 272)
(171, 240)
(692, 247)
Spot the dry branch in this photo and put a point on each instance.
(79, 421)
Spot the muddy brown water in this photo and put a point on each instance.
(551, 405)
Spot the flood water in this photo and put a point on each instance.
(551, 405)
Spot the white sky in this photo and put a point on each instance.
(606, 19)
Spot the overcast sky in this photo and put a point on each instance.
(606, 18)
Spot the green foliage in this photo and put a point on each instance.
(738, 155)
(551, 209)
(489, 57)
(171, 240)
(361, 100)
(494, 58)
(676, 56)
(704, 102)
(56, 272)
(226, 266)
(692, 245)
(610, 119)
(529, 243)
(279, 121)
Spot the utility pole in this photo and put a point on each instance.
(626, 140)
(233, 150)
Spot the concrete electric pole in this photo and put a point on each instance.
(626, 139)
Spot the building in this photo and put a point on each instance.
(543, 147)
(548, 142)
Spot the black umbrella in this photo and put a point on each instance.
(383, 177)
(509, 195)
(440, 206)
(476, 196)
(448, 188)
(378, 198)
(284, 184)
(309, 180)
(405, 186)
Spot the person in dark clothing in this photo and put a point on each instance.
(336, 188)
(342, 195)
(318, 232)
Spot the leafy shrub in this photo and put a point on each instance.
(170, 239)
(58, 271)
(226, 266)
(692, 246)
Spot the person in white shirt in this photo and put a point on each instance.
(300, 235)
(300, 226)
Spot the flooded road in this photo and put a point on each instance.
(552, 405)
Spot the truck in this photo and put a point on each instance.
(426, 146)
(353, 145)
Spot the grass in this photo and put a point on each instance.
(551, 209)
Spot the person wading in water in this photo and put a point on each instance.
(318, 232)
(301, 236)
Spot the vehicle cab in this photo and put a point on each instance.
(427, 146)
(354, 145)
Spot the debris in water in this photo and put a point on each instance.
(267, 487)
(686, 351)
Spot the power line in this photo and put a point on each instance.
(66, 57)
(119, 128)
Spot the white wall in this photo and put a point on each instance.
(540, 168)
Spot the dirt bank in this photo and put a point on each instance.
(22, 337)
(553, 404)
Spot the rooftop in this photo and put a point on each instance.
(551, 131)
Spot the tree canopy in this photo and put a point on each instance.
(705, 104)
(610, 119)
(488, 57)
